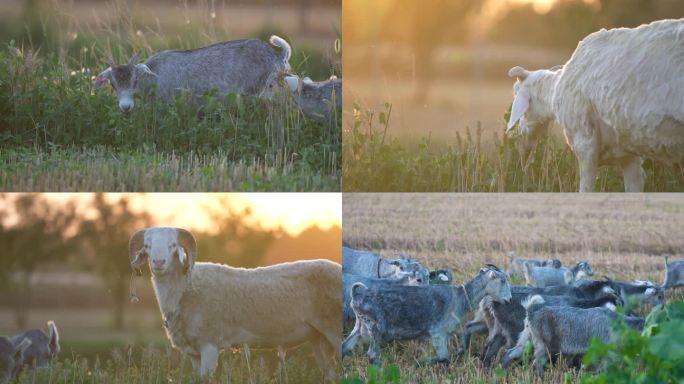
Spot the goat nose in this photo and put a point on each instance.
(159, 263)
(125, 108)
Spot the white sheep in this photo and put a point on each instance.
(619, 98)
(207, 307)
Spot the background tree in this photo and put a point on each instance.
(105, 238)
(38, 237)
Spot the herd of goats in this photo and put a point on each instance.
(558, 310)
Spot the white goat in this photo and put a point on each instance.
(618, 98)
(208, 307)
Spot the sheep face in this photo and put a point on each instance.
(167, 250)
(531, 108)
(11, 358)
(124, 79)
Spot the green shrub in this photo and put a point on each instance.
(655, 355)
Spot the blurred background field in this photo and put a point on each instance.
(442, 65)
(623, 236)
(52, 50)
(65, 259)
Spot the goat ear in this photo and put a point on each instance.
(145, 69)
(649, 291)
(491, 274)
(443, 277)
(293, 82)
(520, 105)
(134, 58)
(104, 77)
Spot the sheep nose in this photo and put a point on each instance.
(158, 263)
(125, 108)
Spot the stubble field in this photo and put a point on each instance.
(622, 236)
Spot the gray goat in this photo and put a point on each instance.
(242, 66)
(517, 264)
(547, 276)
(11, 358)
(321, 100)
(559, 330)
(674, 274)
(369, 264)
(412, 312)
(505, 321)
(348, 280)
(441, 276)
(44, 346)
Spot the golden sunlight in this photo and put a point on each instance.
(294, 212)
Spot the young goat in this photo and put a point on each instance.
(11, 358)
(44, 346)
(547, 276)
(562, 330)
(369, 264)
(411, 312)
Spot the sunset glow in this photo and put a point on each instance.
(294, 212)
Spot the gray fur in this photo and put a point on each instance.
(517, 264)
(674, 274)
(44, 346)
(348, 280)
(635, 294)
(412, 312)
(369, 264)
(556, 330)
(548, 276)
(321, 100)
(11, 358)
(505, 321)
(441, 276)
(240, 66)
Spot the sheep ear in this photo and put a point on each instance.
(520, 105)
(181, 256)
(145, 69)
(293, 82)
(519, 72)
(104, 77)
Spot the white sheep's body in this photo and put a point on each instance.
(619, 98)
(208, 307)
(229, 306)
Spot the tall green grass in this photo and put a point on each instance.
(376, 161)
(50, 110)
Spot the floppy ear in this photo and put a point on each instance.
(293, 82)
(519, 72)
(443, 277)
(145, 69)
(649, 291)
(520, 105)
(105, 76)
(54, 338)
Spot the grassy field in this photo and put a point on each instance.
(58, 133)
(478, 160)
(91, 352)
(622, 236)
